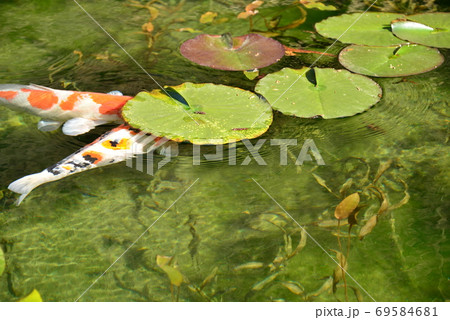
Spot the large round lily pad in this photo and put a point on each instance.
(328, 93)
(248, 52)
(371, 28)
(430, 29)
(393, 61)
(210, 114)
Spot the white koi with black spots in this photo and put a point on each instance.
(114, 146)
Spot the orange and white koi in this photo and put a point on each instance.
(81, 111)
(114, 146)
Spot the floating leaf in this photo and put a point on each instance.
(370, 28)
(208, 17)
(2, 261)
(293, 287)
(328, 93)
(163, 260)
(211, 114)
(368, 227)
(315, 4)
(250, 10)
(249, 265)
(251, 75)
(223, 52)
(175, 276)
(430, 29)
(393, 61)
(347, 206)
(34, 296)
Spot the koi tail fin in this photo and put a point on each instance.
(25, 185)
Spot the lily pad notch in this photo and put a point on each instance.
(325, 92)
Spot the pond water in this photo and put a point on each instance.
(236, 224)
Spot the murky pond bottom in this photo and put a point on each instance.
(233, 230)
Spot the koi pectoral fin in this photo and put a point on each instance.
(48, 125)
(77, 126)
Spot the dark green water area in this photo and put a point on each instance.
(227, 237)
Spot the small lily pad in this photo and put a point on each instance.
(34, 296)
(392, 61)
(328, 93)
(248, 52)
(370, 28)
(430, 29)
(210, 114)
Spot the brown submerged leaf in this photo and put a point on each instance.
(249, 265)
(209, 278)
(381, 169)
(301, 244)
(347, 185)
(347, 206)
(293, 287)
(258, 286)
(339, 271)
(321, 182)
(328, 284)
(404, 200)
(368, 227)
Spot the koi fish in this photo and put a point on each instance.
(79, 111)
(115, 146)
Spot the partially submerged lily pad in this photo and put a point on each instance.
(210, 114)
(370, 28)
(430, 29)
(392, 61)
(34, 296)
(248, 52)
(328, 93)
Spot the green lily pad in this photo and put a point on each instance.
(430, 29)
(34, 296)
(371, 28)
(328, 93)
(248, 52)
(393, 61)
(211, 114)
